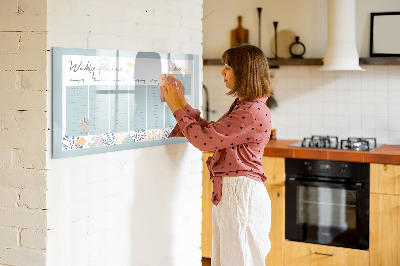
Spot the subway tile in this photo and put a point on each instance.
(355, 109)
(303, 82)
(342, 96)
(394, 97)
(317, 107)
(316, 72)
(382, 136)
(342, 109)
(381, 97)
(304, 72)
(367, 110)
(291, 71)
(292, 82)
(367, 122)
(329, 94)
(394, 110)
(394, 70)
(329, 121)
(367, 133)
(355, 96)
(380, 71)
(355, 122)
(394, 83)
(342, 122)
(316, 83)
(329, 109)
(381, 110)
(394, 137)
(367, 96)
(355, 132)
(394, 123)
(354, 81)
(382, 123)
(380, 84)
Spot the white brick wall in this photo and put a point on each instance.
(135, 207)
(23, 128)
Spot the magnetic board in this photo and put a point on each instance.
(109, 100)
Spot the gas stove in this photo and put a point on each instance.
(332, 142)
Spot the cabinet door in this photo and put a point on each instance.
(385, 178)
(274, 168)
(206, 225)
(277, 233)
(304, 254)
(384, 230)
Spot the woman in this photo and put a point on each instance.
(242, 208)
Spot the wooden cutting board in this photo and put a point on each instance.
(239, 35)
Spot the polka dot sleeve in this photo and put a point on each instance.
(193, 113)
(232, 130)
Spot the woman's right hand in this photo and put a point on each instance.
(181, 91)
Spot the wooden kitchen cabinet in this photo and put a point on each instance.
(277, 233)
(385, 178)
(274, 168)
(206, 225)
(384, 237)
(305, 254)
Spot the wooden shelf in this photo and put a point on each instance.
(380, 61)
(273, 63)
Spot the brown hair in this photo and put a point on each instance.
(250, 66)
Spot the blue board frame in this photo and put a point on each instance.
(58, 103)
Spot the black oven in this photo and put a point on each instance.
(327, 202)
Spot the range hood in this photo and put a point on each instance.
(341, 51)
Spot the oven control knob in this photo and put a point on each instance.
(343, 168)
(308, 166)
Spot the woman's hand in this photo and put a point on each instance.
(181, 91)
(172, 93)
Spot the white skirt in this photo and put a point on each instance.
(241, 223)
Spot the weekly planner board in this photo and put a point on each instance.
(110, 100)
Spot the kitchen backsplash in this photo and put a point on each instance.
(314, 102)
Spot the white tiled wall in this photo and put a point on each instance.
(313, 102)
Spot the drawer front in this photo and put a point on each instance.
(297, 253)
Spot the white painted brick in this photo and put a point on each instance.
(31, 80)
(8, 80)
(192, 23)
(8, 6)
(8, 237)
(9, 42)
(33, 239)
(23, 218)
(23, 100)
(24, 139)
(8, 197)
(5, 159)
(33, 159)
(30, 61)
(34, 120)
(23, 22)
(33, 199)
(150, 7)
(98, 222)
(23, 178)
(17, 256)
(31, 53)
(33, 7)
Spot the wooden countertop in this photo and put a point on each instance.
(389, 154)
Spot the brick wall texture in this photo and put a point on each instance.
(23, 128)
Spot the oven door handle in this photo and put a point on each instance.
(357, 185)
